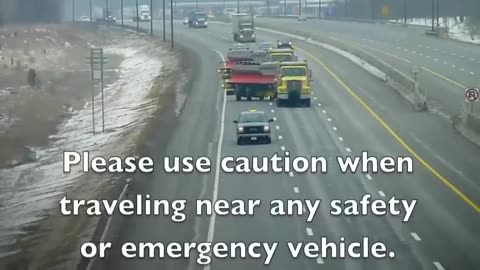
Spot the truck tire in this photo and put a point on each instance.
(279, 102)
(239, 98)
(307, 102)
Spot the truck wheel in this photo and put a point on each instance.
(239, 97)
(307, 102)
(279, 103)
(239, 141)
(249, 98)
(268, 140)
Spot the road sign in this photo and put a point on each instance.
(472, 95)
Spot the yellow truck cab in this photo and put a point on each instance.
(294, 83)
(282, 55)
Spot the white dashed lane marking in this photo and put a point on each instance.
(369, 177)
(282, 148)
(309, 231)
(280, 137)
(340, 138)
(295, 189)
(320, 260)
(277, 127)
(381, 193)
(415, 236)
(348, 150)
(290, 174)
(324, 111)
(334, 128)
(329, 119)
(438, 266)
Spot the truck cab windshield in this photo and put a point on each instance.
(294, 71)
(252, 117)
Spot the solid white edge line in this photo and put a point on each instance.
(107, 228)
(211, 225)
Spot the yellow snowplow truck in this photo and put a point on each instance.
(282, 55)
(294, 84)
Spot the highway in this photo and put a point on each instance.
(448, 66)
(352, 112)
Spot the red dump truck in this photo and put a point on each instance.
(244, 75)
(250, 79)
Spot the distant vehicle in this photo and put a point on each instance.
(253, 126)
(284, 44)
(282, 55)
(185, 21)
(84, 18)
(104, 15)
(144, 13)
(198, 19)
(111, 19)
(302, 18)
(266, 46)
(243, 27)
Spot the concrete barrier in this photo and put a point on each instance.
(473, 122)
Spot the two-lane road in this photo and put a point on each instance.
(442, 234)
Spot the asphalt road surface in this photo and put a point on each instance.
(352, 112)
(448, 66)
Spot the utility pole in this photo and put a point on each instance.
(171, 21)
(284, 7)
(405, 11)
(73, 10)
(438, 13)
(164, 34)
(151, 17)
(196, 4)
(121, 11)
(137, 19)
(433, 15)
(268, 7)
(299, 7)
(319, 8)
(238, 6)
(91, 19)
(108, 10)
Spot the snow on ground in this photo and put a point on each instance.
(29, 191)
(456, 29)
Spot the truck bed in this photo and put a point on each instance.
(254, 78)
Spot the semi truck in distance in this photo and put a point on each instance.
(144, 13)
(243, 27)
(197, 19)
